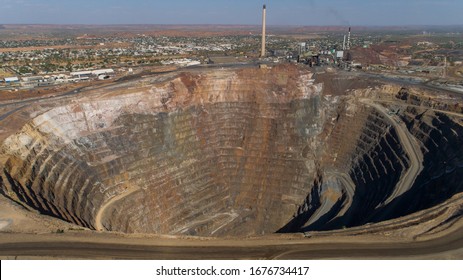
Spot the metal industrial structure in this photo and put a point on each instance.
(348, 40)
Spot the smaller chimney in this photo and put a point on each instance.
(348, 40)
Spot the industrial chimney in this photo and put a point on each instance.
(348, 40)
(262, 50)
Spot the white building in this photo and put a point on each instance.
(103, 72)
(10, 80)
(85, 75)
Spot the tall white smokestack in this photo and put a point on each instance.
(262, 50)
(344, 43)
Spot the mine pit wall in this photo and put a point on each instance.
(236, 162)
(441, 142)
(376, 168)
(362, 145)
(221, 169)
(42, 172)
(195, 170)
(375, 160)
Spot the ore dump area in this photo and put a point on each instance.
(236, 154)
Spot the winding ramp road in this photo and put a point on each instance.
(99, 215)
(410, 146)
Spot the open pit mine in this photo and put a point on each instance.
(240, 152)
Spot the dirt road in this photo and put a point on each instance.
(62, 246)
(98, 218)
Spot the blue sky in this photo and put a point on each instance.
(280, 12)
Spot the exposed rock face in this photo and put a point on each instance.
(441, 139)
(221, 153)
(211, 154)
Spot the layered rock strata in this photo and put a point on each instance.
(232, 153)
(209, 154)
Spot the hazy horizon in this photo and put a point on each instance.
(373, 13)
(233, 24)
